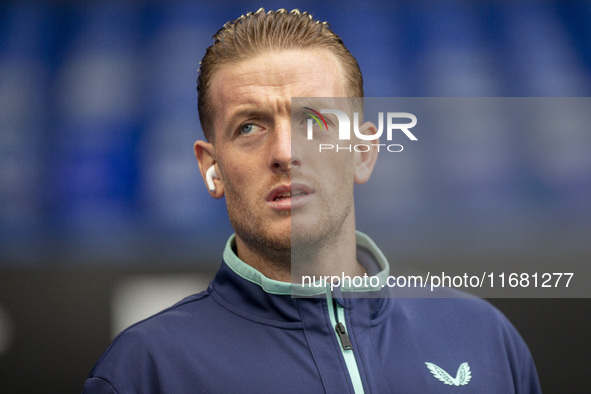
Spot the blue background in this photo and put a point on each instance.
(98, 114)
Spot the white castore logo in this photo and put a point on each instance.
(463, 375)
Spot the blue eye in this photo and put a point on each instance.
(248, 128)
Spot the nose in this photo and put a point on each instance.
(282, 156)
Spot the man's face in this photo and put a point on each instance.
(272, 183)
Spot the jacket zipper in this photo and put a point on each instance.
(337, 319)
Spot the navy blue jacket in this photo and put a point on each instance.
(247, 334)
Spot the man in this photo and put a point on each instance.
(247, 333)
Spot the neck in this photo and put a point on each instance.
(274, 264)
(335, 255)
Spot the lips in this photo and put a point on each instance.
(283, 196)
(286, 197)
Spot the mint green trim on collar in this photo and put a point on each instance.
(247, 272)
(364, 241)
(273, 286)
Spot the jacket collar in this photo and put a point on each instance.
(248, 293)
(368, 254)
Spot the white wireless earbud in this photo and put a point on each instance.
(209, 175)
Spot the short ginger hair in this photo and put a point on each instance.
(258, 32)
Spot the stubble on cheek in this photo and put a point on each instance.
(304, 233)
(249, 217)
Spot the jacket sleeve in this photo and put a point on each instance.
(126, 367)
(530, 384)
(98, 386)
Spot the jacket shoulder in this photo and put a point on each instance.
(130, 359)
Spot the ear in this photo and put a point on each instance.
(205, 154)
(365, 161)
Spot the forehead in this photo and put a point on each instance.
(268, 81)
